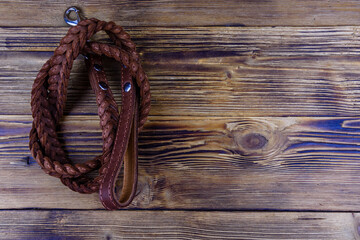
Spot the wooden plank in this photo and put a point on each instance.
(186, 13)
(234, 126)
(202, 163)
(176, 225)
(233, 71)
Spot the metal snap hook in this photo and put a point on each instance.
(67, 19)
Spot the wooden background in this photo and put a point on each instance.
(254, 131)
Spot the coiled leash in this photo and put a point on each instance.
(119, 129)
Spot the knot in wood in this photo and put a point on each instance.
(253, 141)
(257, 140)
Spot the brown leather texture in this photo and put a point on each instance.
(119, 129)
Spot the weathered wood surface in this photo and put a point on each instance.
(209, 71)
(255, 107)
(55, 224)
(186, 12)
(218, 163)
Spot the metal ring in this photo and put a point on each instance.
(68, 20)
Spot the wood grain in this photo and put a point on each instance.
(208, 71)
(186, 13)
(176, 225)
(254, 127)
(202, 163)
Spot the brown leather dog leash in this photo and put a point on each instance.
(119, 130)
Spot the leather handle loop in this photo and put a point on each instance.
(124, 151)
(127, 122)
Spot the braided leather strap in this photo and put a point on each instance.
(48, 99)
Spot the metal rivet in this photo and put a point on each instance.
(103, 85)
(97, 67)
(127, 87)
